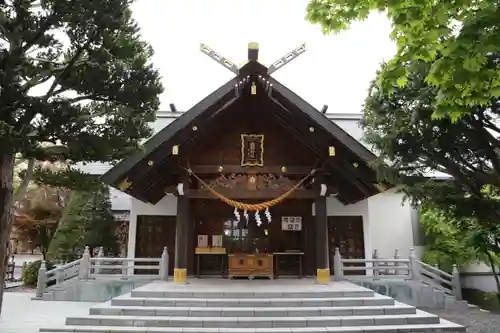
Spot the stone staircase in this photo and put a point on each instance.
(255, 306)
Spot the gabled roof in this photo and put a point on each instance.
(121, 169)
(221, 99)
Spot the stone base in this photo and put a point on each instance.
(323, 276)
(180, 275)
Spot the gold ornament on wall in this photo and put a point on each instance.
(252, 149)
(253, 89)
(125, 184)
(331, 151)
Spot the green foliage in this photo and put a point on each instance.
(76, 85)
(412, 144)
(87, 221)
(456, 38)
(99, 87)
(30, 273)
(449, 240)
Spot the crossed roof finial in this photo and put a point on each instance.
(253, 55)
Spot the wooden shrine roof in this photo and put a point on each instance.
(158, 148)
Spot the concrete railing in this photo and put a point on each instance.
(87, 268)
(397, 268)
(436, 278)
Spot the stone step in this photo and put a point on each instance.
(252, 302)
(249, 294)
(397, 309)
(420, 317)
(443, 326)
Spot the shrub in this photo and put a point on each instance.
(30, 273)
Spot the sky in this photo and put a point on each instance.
(335, 70)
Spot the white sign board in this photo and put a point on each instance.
(216, 240)
(203, 241)
(291, 223)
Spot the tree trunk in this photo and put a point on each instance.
(495, 275)
(6, 205)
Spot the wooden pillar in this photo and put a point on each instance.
(181, 239)
(321, 232)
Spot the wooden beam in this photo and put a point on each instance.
(317, 148)
(275, 169)
(254, 195)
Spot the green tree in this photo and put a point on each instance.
(412, 145)
(71, 228)
(87, 221)
(460, 241)
(101, 224)
(457, 38)
(446, 244)
(76, 85)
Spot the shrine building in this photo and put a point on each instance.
(253, 181)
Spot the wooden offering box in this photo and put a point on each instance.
(251, 265)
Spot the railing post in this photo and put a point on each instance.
(396, 264)
(375, 264)
(59, 277)
(42, 278)
(338, 273)
(125, 268)
(457, 287)
(23, 268)
(85, 265)
(414, 269)
(164, 265)
(100, 254)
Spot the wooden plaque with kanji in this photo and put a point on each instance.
(252, 149)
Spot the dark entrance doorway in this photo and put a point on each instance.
(153, 233)
(346, 233)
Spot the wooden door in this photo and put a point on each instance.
(346, 233)
(153, 233)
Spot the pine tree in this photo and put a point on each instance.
(71, 228)
(87, 221)
(100, 228)
(75, 75)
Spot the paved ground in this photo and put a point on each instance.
(22, 315)
(475, 320)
